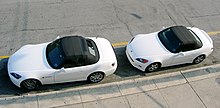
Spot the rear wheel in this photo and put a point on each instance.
(199, 59)
(153, 67)
(96, 77)
(30, 84)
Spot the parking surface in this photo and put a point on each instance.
(31, 22)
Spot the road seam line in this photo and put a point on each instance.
(193, 90)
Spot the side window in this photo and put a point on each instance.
(91, 48)
(92, 54)
(74, 62)
(187, 47)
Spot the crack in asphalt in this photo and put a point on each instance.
(170, 16)
(117, 16)
(15, 27)
(188, 21)
(168, 13)
(35, 29)
(200, 16)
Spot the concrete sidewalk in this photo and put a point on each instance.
(195, 88)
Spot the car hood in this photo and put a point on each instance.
(29, 58)
(147, 45)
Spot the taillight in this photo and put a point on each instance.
(142, 60)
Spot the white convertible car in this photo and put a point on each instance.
(171, 46)
(66, 59)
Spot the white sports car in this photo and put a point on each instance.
(171, 46)
(66, 59)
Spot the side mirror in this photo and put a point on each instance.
(181, 54)
(62, 69)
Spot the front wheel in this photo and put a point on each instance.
(30, 84)
(153, 67)
(199, 59)
(96, 77)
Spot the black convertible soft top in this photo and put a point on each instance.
(184, 35)
(74, 46)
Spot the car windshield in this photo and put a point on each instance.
(55, 55)
(169, 40)
(69, 52)
(179, 39)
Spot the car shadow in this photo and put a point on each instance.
(6, 86)
(124, 71)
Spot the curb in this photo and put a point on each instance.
(121, 88)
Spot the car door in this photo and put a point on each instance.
(182, 57)
(71, 71)
(68, 74)
(185, 55)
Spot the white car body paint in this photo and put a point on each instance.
(149, 47)
(30, 63)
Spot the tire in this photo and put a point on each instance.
(153, 67)
(199, 59)
(96, 77)
(30, 84)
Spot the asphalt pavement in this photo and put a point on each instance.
(194, 88)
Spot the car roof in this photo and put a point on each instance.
(74, 46)
(184, 35)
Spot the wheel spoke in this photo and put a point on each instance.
(30, 84)
(96, 77)
(199, 59)
(152, 67)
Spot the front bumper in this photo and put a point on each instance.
(132, 60)
(14, 80)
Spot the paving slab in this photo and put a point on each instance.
(150, 99)
(181, 96)
(145, 84)
(201, 73)
(58, 99)
(128, 87)
(19, 102)
(168, 79)
(117, 102)
(99, 92)
(209, 91)
(71, 106)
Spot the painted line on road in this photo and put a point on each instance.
(214, 33)
(118, 44)
(3, 57)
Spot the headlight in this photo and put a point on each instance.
(17, 76)
(142, 60)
